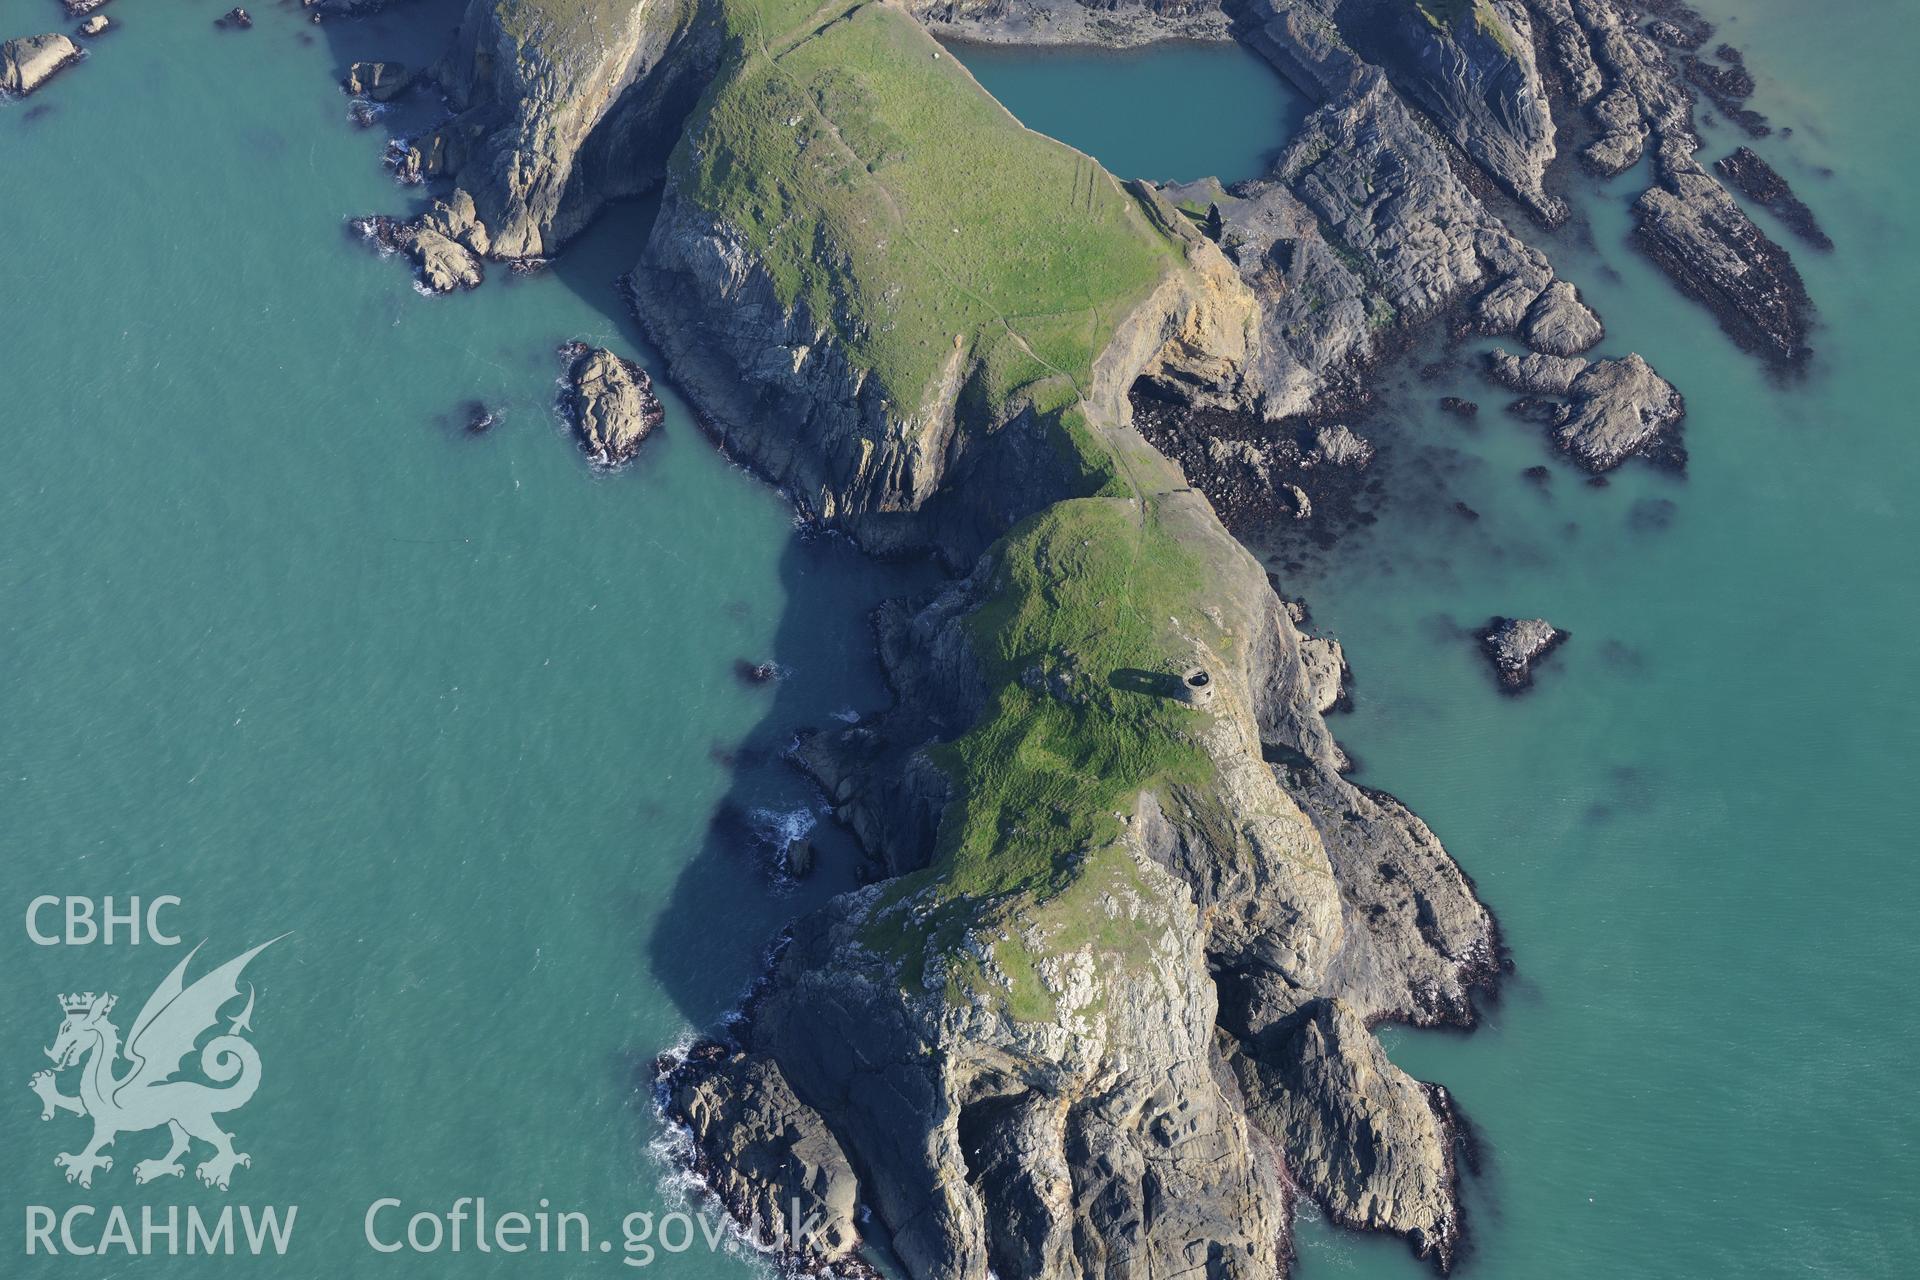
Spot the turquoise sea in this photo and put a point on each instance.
(280, 639)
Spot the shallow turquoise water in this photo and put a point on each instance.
(460, 713)
(1171, 112)
(281, 640)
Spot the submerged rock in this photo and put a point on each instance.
(755, 672)
(31, 61)
(1513, 645)
(235, 19)
(1762, 183)
(610, 402)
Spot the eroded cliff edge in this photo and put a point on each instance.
(1108, 1006)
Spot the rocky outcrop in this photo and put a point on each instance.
(1365, 229)
(443, 262)
(31, 61)
(610, 403)
(1469, 67)
(1559, 324)
(561, 108)
(766, 1155)
(1760, 182)
(1601, 412)
(1687, 223)
(1513, 645)
(1111, 23)
(96, 25)
(1371, 1143)
(380, 81)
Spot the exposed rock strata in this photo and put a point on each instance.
(1324, 1083)
(31, 61)
(1687, 223)
(1365, 229)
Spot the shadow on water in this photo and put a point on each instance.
(734, 896)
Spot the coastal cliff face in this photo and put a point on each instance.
(562, 106)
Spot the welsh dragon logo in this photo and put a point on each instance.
(144, 1093)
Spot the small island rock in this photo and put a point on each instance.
(31, 61)
(610, 402)
(93, 26)
(1513, 645)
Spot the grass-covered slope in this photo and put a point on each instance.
(882, 187)
(883, 191)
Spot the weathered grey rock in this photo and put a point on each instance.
(454, 218)
(767, 1156)
(1513, 645)
(610, 402)
(31, 61)
(1470, 69)
(78, 8)
(1113, 24)
(1543, 374)
(551, 126)
(1699, 235)
(1365, 1139)
(444, 264)
(1324, 664)
(1560, 324)
(1612, 409)
(381, 81)
(1337, 446)
(1688, 224)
